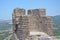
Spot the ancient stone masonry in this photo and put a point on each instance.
(38, 21)
(35, 21)
(20, 24)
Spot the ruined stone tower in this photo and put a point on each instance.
(20, 24)
(35, 21)
(38, 21)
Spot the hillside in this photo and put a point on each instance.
(5, 30)
(56, 24)
(5, 25)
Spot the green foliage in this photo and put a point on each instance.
(5, 35)
(55, 34)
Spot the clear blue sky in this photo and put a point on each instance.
(6, 6)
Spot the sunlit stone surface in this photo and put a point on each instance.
(33, 25)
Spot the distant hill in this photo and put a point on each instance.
(5, 24)
(5, 21)
(56, 24)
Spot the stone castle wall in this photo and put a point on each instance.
(36, 20)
